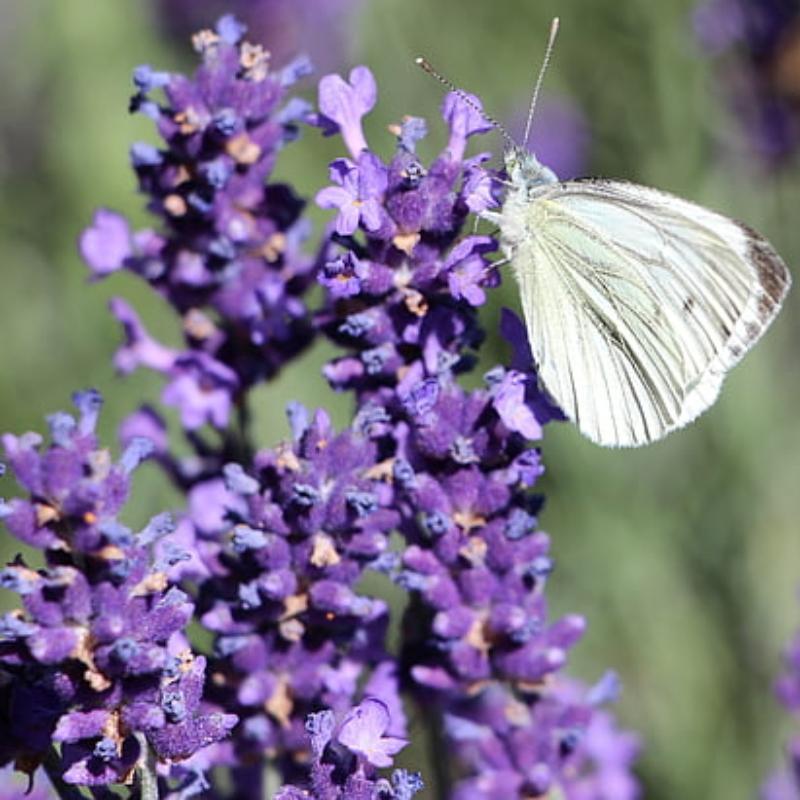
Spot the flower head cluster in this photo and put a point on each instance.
(347, 752)
(227, 257)
(754, 40)
(292, 630)
(402, 294)
(97, 652)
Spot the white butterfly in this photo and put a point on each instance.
(636, 302)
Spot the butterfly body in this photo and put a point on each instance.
(636, 302)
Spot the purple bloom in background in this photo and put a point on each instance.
(754, 43)
(541, 744)
(287, 28)
(784, 783)
(560, 136)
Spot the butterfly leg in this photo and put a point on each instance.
(497, 264)
(491, 216)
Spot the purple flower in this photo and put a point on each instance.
(187, 727)
(202, 389)
(467, 269)
(145, 423)
(275, 552)
(291, 630)
(107, 243)
(140, 349)
(357, 195)
(464, 119)
(548, 741)
(478, 631)
(757, 76)
(342, 275)
(336, 775)
(343, 104)
(363, 732)
(509, 402)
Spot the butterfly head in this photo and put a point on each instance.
(525, 171)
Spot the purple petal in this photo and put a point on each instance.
(333, 197)
(464, 120)
(509, 402)
(81, 725)
(346, 103)
(140, 349)
(362, 732)
(106, 243)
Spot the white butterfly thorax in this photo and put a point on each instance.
(636, 302)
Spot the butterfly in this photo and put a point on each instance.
(636, 302)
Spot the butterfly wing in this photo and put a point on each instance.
(637, 302)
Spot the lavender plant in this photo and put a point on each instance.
(105, 680)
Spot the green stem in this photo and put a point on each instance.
(244, 419)
(146, 769)
(53, 768)
(439, 750)
(271, 778)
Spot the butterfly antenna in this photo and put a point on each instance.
(425, 65)
(545, 63)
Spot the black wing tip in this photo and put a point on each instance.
(773, 274)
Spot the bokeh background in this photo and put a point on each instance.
(684, 556)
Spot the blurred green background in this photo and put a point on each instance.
(684, 556)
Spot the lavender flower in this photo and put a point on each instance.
(228, 257)
(346, 754)
(97, 652)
